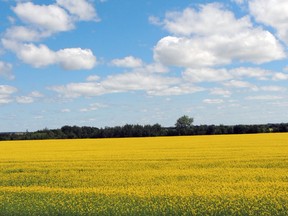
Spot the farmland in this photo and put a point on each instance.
(197, 175)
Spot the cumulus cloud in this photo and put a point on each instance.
(133, 81)
(138, 81)
(252, 72)
(176, 90)
(30, 98)
(65, 110)
(264, 97)
(151, 68)
(210, 19)
(6, 70)
(129, 62)
(213, 101)
(238, 1)
(51, 18)
(220, 75)
(155, 20)
(76, 59)
(273, 88)
(42, 21)
(36, 94)
(206, 75)
(213, 36)
(86, 89)
(185, 52)
(24, 99)
(92, 78)
(221, 92)
(37, 56)
(280, 76)
(25, 34)
(5, 99)
(93, 107)
(240, 84)
(272, 13)
(41, 56)
(6, 92)
(82, 9)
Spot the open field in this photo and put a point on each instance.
(201, 175)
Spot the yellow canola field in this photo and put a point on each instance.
(198, 175)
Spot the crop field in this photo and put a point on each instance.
(198, 175)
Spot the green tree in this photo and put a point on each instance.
(184, 125)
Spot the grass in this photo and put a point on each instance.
(200, 175)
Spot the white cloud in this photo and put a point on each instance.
(30, 98)
(7, 90)
(221, 92)
(257, 73)
(176, 90)
(154, 20)
(37, 56)
(73, 90)
(213, 101)
(273, 13)
(65, 110)
(213, 36)
(273, 88)
(234, 77)
(155, 68)
(24, 99)
(93, 107)
(6, 70)
(138, 81)
(118, 83)
(264, 97)
(41, 56)
(238, 1)
(38, 117)
(280, 76)
(5, 99)
(151, 68)
(206, 75)
(129, 62)
(218, 75)
(185, 52)
(76, 59)
(240, 84)
(25, 34)
(92, 78)
(41, 21)
(82, 9)
(210, 19)
(5, 93)
(51, 18)
(36, 94)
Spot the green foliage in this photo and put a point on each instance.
(184, 125)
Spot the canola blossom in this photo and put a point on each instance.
(197, 175)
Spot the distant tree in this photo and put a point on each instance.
(211, 129)
(184, 125)
(156, 130)
(239, 129)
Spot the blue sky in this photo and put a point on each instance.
(109, 62)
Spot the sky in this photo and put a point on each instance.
(115, 62)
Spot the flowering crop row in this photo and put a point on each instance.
(199, 175)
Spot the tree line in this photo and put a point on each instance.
(183, 126)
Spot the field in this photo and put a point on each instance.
(200, 175)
